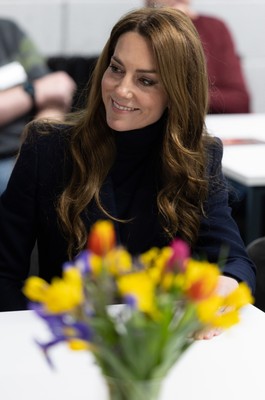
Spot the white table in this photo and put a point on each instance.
(230, 366)
(244, 163)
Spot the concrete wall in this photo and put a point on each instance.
(81, 27)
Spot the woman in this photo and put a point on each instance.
(137, 154)
(228, 92)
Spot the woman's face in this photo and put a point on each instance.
(132, 90)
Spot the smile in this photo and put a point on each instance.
(123, 108)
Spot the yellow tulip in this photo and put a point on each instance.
(240, 296)
(223, 311)
(35, 288)
(141, 288)
(118, 261)
(201, 279)
(78, 344)
(62, 295)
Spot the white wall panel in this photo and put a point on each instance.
(255, 74)
(90, 23)
(43, 22)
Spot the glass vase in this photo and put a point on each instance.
(133, 390)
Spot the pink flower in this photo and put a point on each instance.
(180, 253)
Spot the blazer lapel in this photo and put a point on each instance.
(93, 213)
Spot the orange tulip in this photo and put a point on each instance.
(102, 238)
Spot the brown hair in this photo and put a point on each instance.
(181, 65)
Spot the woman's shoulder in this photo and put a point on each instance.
(43, 134)
(46, 143)
(213, 144)
(45, 154)
(214, 152)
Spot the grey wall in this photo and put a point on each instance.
(82, 27)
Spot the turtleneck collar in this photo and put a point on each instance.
(139, 141)
(134, 178)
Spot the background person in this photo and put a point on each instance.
(228, 90)
(27, 89)
(137, 154)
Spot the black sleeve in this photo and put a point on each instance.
(18, 227)
(219, 236)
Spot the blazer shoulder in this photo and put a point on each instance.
(214, 153)
(45, 150)
(46, 137)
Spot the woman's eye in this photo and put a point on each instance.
(115, 69)
(147, 82)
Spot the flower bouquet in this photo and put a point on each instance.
(162, 298)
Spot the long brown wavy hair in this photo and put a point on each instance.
(181, 64)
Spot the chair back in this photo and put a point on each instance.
(256, 252)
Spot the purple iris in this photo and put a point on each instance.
(131, 301)
(82, 261)
(63, 328)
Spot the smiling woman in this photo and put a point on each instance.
(138, 154)
(132, 91)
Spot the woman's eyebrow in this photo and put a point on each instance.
(149, 71)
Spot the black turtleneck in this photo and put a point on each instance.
(135, 178)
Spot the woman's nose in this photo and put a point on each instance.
(124, 88)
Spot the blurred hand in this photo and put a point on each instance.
(225, 286)
(54, 90)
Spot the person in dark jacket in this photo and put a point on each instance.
(138, 154)
(228, 91)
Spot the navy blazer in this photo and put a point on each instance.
(28, 213)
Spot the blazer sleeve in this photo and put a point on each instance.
(27, 213)
(219, 235)
(17, 227)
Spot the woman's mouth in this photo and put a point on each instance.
(122, 108)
